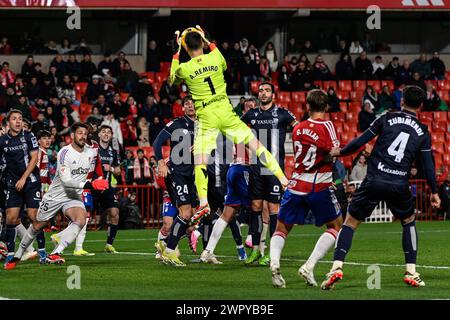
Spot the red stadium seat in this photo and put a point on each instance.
(434, 83)
(444, 95)
(284, 96)
(81, 87)
(337, 116)
(439, 163)
(284, 105)
(254, 86)
(438, 147)
(345, 85)
(426, 115)
(347, 161)
(343, 106)
(164, 67)
(443, 85)
(375, 84)
(343, 95)
(447, 75)
(351, 127)
(389, 83)
(447, 148)
(446, 157)
(437, 137)
(318, 83)
(351, 116)
(298, 96)
(357, 96)
(85, 108)
(124, 96)
(156, 87)
(354, 106)
(440, 126)
(359, 85)
(339, 127)
(295, 107)
(327, 84)
(161, 76)
(440, 116)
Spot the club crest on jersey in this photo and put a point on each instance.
(22, 139)
(185, 131)
(253, 122)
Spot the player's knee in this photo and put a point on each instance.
(351, 222)
(334, 232)
(257, 205)
(409, 220)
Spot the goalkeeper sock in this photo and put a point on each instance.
(201, 183)
(270, 163)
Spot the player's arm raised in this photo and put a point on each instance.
(212, 46)
(175, 66)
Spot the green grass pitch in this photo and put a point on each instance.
(135, 274)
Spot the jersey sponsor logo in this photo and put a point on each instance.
(382, 168)
(215, 99)
(80, 171)
(407, 121)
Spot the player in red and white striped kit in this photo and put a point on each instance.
(309, 189)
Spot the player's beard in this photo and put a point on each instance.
(268, 101)
(80, 143)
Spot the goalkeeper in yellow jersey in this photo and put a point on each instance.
(203, 74)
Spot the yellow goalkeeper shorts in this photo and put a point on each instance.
(216, 116)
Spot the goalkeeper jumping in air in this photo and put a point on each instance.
(203, 74)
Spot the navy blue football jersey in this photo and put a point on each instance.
(16, 153)
(181, 132)
(109, 157)
(270, 127)
(401, 138)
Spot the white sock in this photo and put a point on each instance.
(61, 233)
(325, 243)
(81, 236)
(337, 265)
(68, 237)
(411, 268)
(161, 236)
(197, 233)
(262, 242)
(21, 232)
(249, 238)
(276, 246)
(216, 233)
(27, 239)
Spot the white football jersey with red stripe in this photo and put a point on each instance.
(313, 141)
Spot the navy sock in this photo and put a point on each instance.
(410, 242)
(10, 237)
(40, 238)
(344, 243)
(256, 225)
(179, 228)
(273, 223)
(236, 232)
(112, 231)
(207, 229)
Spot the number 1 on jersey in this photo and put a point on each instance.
(211, 86)
(397, 148)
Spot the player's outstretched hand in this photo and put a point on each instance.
(176, 46)
(100, 184)
(435, 200)
(202, 33)
(335, 152)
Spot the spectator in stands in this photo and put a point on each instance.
(271, 55)
(5, 47)
(177, 109)
(38, 73)
(39, 104)
(33, 89)
(432, 100)
(95, 116)
(322, 42)
(437, 67)
(153, 57)
(102, 104)
(87, 68)
(342, 47)
(109, 120)
(49, 88)
(243, 45)
(363, 67)
(141, 172)
(239, 108)
(421, 66)
(333, 100)
(249, 72)
(283, 79)
(19, 86)
(132, 213)
(366, 116)
(143, 133)
(106, 66)
(292, 47)
(371, 95)
(253, 53)
(169, 91)
(301, 79)
(28, 67)
(109, 87)
(368, 44)
(293, 65)
(149, 109)
(64, 122)
(444, 194)
(119, 64)
(320, 69)
(391, 72)
(378, 68)
(73, 67)
(10, 100)
(417, 80)
(304, 58)
(83, 48)
(67, 90)
(129, 132)
(128, 78)
(41, 123)
(7, 76)
(23, 106)
(142, 88)
(236, 59)
(359, 171)
(404, 74)
(66, 47)
(155, 129)
(128, 167)
(166, 110)
(355, 47)
(344, 67)
(132, 107)
(308, 47)
(94, 89)
(264, 69)
(60, 65)
(387, 100)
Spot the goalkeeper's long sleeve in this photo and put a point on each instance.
(174, 67)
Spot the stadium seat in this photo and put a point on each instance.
(357, 95)
(254, 86)
(298, 96)
(351, 127)
(295, 107)
(389, 83)
(375, 84)
(318, 83)
(354, 106)
(161, 76)
(343, 95)
(426, 115)
(438, 161)
(343, 106)
(337, 116)
(339, 127)
(443, 85)
(440, 126)
(164, 67)
(447, 148)
(434, 83)
(284, 105)
(437, 137)
(440, 116)
(347, 161)
(444, 95)
(327, 84)
(359, 85)
(81, 87)
(345, 85)
(284, 96)
(85, 108)
(438, 147)
(446, 158)
(124, 96)
(156, 87)
(447, 75)
(352, 116)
